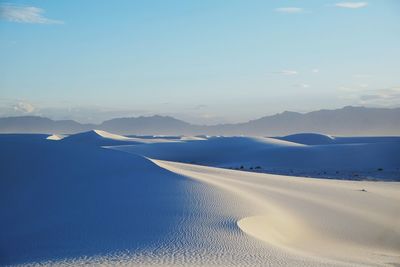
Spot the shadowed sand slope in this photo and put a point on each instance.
(340, 221)
(309, 139)
(61, 200)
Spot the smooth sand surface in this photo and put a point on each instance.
(373, 158)
(337, 221)
(55, 137)
(73, 203)
(116, 137)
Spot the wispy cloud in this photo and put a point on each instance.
(302, 85)
(25, 14)
(382, 97)
(289, 10)
(346, 89)
(287, 72)
(315, 70)
(200, 106)
(353, 88)
(385, 97)
(352, 5)
(24, 107)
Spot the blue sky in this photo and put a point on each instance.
(203, 61)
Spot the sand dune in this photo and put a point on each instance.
(88, 205)
(334, 220)
(55, 137)
(349, 158)
(309, 139)
(64, 200)
(323, 139)
(192, 138)
(74, 202)
(103, 138)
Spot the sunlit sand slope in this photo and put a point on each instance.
(342, 221)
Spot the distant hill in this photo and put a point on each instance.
(147, 125)
(344, 121)
(35, 124)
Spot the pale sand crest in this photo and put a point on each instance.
(350, 222)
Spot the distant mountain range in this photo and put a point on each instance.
(345, 121)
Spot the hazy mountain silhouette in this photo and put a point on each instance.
(35, 124)
(345, 121)
(147, 125)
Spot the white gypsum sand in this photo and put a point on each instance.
(346, 221)
(99, 135)
(361, 158)
(76, 203)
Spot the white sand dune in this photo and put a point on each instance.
(215, 151)
(333, 220)
(108, 135)
(99, 137)
(118, 137)
(354, 158)
(192, 138)
(88, 205)
(67, 203)
(55, 137)
(309, 139)
(323, 139)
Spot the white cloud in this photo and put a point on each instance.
(315, 70)
(354, 88)
(302, 85)
(386, 97)
(24, 107)
(352, 5)
(200, 106)
(381, 97)
(25, 14)
(287, 72)
(289, 10)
